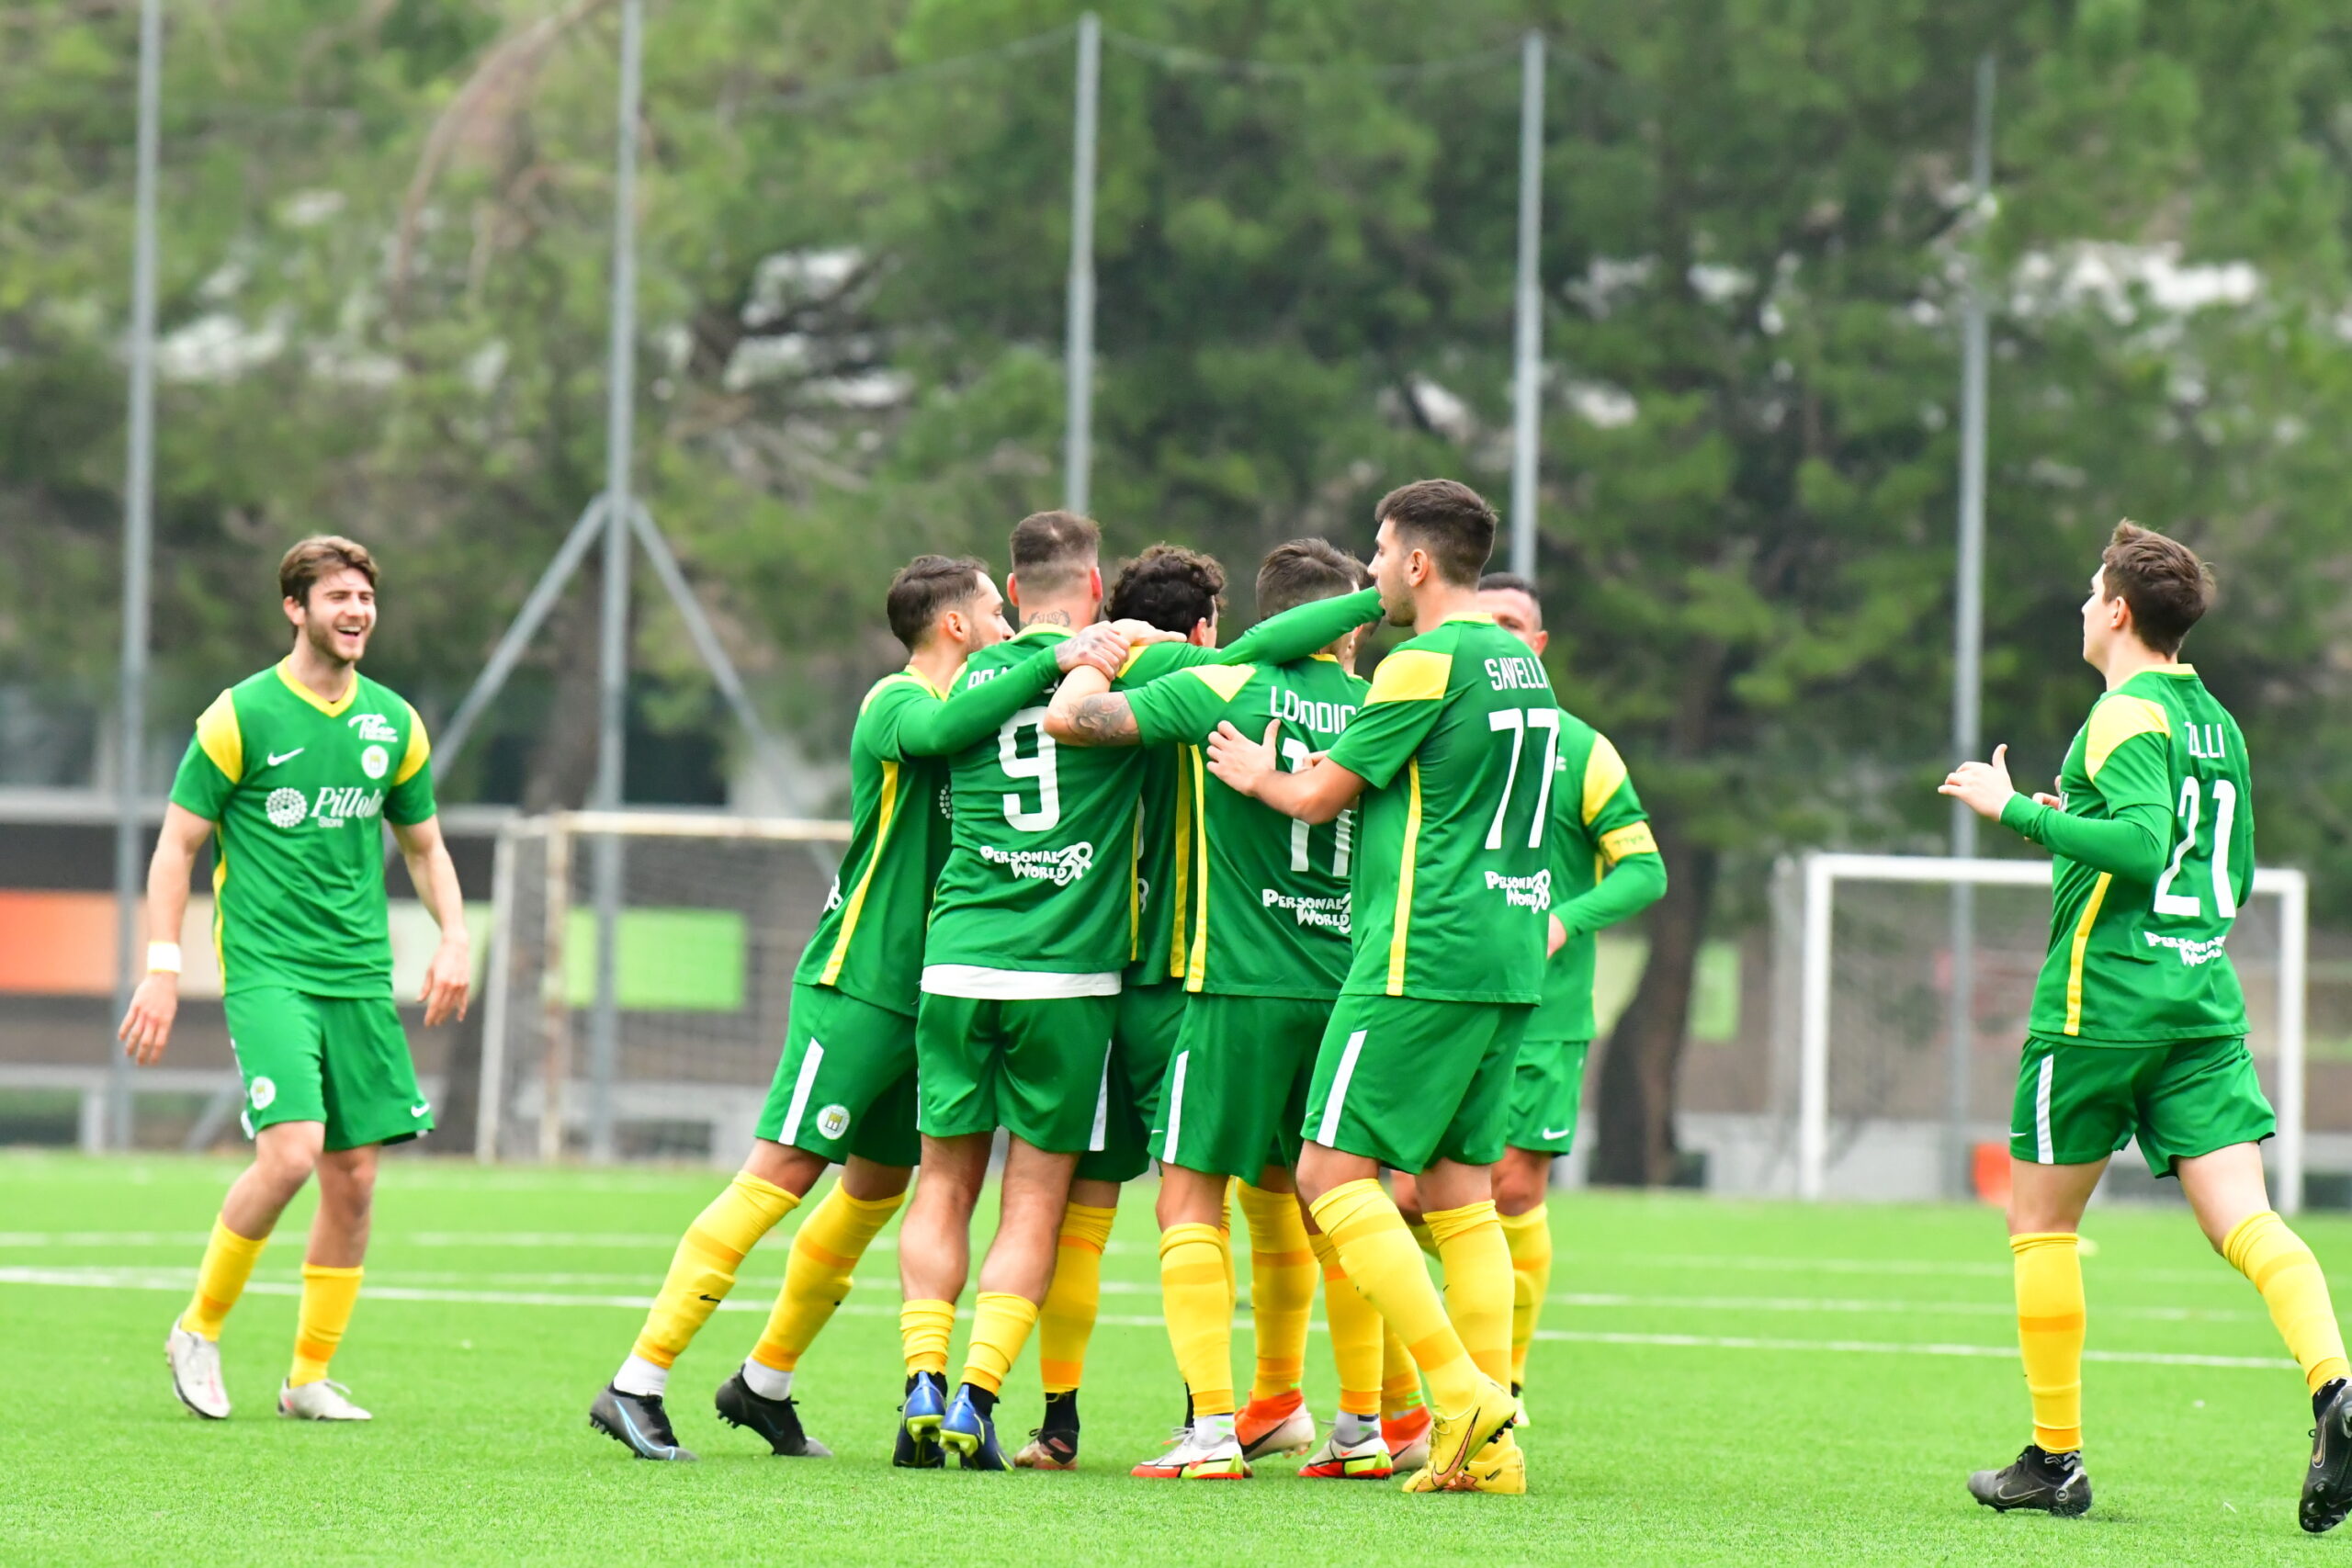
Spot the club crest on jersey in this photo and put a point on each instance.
(373, 726)
(1061, 867)
(375, 762)
(286, 808)
(1526, 892)
(833, 1120)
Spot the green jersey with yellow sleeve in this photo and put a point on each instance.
(1605, 868)
(1267, 904)
(2152, 856)
(294, 786)
(868, 941)
(1457, 743)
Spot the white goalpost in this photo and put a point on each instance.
(713, 911)
(1861, 1017)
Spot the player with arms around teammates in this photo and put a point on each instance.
(2138, 1026)
(288, 773)
(1451, 758)
(844, 1088)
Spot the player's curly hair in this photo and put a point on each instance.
(316, 557)
(2169, 585)
(1170, 587)
(1449, 520)
(925, 586)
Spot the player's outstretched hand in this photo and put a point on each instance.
(1239, 760)
(446, 980)
(1983, 787)
(147, 1027)
(1102, 646)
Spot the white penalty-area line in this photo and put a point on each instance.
(177, 1280)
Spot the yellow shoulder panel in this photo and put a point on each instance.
(2118, 719)
(1604, 772)
(420, 749)
(1223, 679)
(216, 732)
(1411, 675)
(896, 677)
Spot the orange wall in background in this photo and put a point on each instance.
(57, 945)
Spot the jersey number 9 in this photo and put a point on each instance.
(1038, 767)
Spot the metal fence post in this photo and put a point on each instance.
(1527, 351)
(1077, 345)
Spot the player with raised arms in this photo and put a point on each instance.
(1035, 919)
(289, 774)
(1452, 759)
(844, 1087)
(1605, 869)
(1264, 948)
(2138, 1025)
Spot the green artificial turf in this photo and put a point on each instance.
(1720, 1383)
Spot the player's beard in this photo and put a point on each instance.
(322, 638)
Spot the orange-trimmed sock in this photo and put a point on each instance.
(1479, 1283)
(2049, 1273)
(2264, 1250)
(1530, 1238)
(1193, 1260)
(328, 1296)
(925, 1328)
(1282, 1289)
(1001, 1326)
(1355, 1336)
(825, 1253)
(1066, 1319)
(1378, 1253)
(229, 1260)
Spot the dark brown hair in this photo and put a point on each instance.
(1448, 519)
(1051, 551)
(923, 588)
(1170, 587)
(1302, 572)
(2166, 583)
(321, 554)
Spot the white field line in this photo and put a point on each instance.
(1878, 1266)
(177, 1280)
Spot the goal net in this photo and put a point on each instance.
(1893, 1098)
(711, 915)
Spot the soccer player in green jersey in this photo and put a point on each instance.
(1264, 948)
(1452, 756)
(1605, 868)
(2137, 1027)
(289, 774)
(1036, 916)
(844, 1089)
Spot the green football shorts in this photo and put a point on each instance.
(845, 1084)
(1237, 1090)
(2080, 1103)
(1406, 1081)
(340, 1060)
(1142, 1039)
(1037, 1068)
(1545, 1088)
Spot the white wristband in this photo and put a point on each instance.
(163, 958)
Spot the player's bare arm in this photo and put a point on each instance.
(147, 1027)
(1085, 712)
(1984, 787)
(449, 976)
(1315, 794)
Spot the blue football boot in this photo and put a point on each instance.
(971, 1431)
(926, 1403)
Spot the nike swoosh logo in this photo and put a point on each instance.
(275, 759)
(712, 1300)
(420, 1110)
(1559, 1132)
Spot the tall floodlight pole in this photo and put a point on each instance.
(1527, 349)
(1968, 641)
(612, 683)
(1077, 338)
(137, 550)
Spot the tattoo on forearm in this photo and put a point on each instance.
(1100, 720)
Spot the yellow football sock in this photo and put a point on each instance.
(1355, 1336)
(2264, 1250)
(1378, 1254)
(1530, 1236)
(1479, 1283)
(703, 1270)
(825, 1251)
(1199, 1306)
(328, 1296)
(1066, 1319)
(1421, 1236)
(1282, 1289)
(1225, 1237)
(1001, 1326)
(229, 1260)
(1401, 1381)
(924, 1331)
(2050, 1334)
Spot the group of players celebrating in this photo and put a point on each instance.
(1318, 945)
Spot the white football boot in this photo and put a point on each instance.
(196, 1372)
(1204, 1455)
(325, 1400)
(1336, 1461)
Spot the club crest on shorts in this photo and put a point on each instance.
(833, 1120)
(263, 1093)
